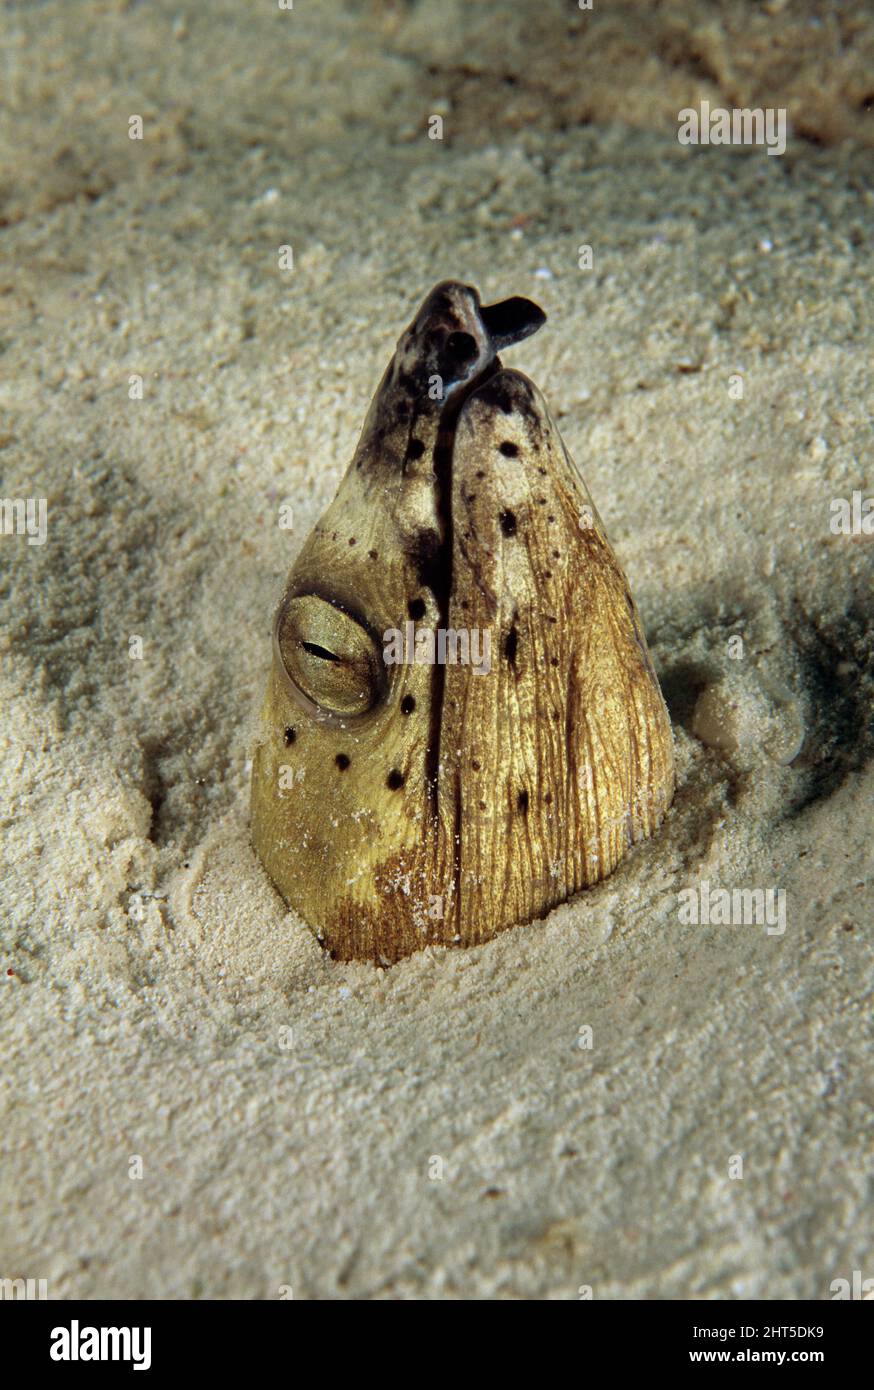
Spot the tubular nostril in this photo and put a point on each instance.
(461, 346)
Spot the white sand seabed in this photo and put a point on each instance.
(149, 971)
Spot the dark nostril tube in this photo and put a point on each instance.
(511, 320)
(461, 346)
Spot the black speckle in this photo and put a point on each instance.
(547, 797)
(416, 608)
(342, 761)
(374, 554)
(424, 551)
(416, 449)
(290, 736)
(511, 645)
(498, 392)
(522, 802)
(509, 449)
(438, 302)
(352, 540)
(395, 780)
(408, 704)
(480, 472)
(508, 523)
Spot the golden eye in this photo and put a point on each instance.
(328, 657)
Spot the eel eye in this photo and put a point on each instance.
(328, 657)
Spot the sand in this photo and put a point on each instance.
(435, 1130)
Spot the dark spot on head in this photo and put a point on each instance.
(511, 645)
(475, 765)
(374, 554)
(547, 797)
(508, 523)
(550, 518)
(424, 551)
(482, 805)
(522, 802)
(509, 449)
(352, 540)
(553, 661)
(438, 302)
(416, 449)
(480, 472)
(416, 608)
(395, 780)
(498, 392)
(547, 574)
(556, 555)
(290, 736)
(543, 471)
(342, 761)
(408, 704)
(407, 382)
